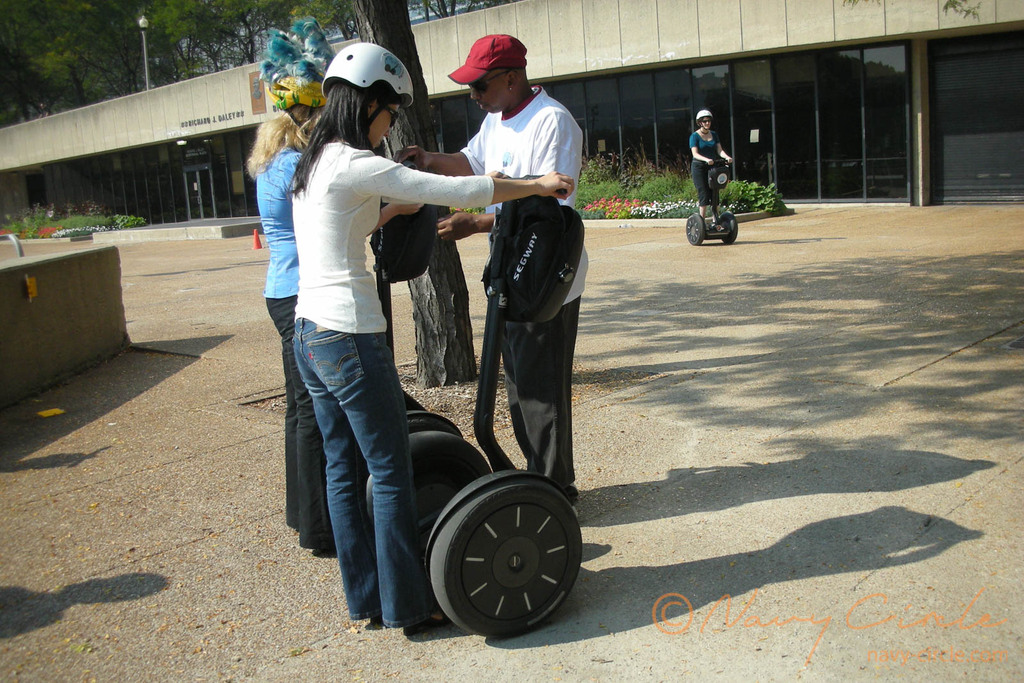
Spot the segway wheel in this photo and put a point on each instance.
(729, 223)
(425, 421)
(695, 229)
(443, 464)
(505, 554)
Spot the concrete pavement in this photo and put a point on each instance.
(814, 471)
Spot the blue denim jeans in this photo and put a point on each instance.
(361, 412)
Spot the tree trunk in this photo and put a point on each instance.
(444, 333)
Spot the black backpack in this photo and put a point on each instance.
(404, 244)
(537, 248)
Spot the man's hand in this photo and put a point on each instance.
(459, 225)
(415, 154)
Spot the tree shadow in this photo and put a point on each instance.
(623, 598)
(87, 397)
(696, 489)
(52, 461)
(23, 611)
(864, 323)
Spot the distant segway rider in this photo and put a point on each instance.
(292, 73)
(340, 329)
(525, 132)
(705, 147)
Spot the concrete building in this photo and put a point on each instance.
(884, 101)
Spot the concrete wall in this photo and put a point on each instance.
(565, 38)
(76, 321)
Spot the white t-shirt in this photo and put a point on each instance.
(336, 214)
(541, 138)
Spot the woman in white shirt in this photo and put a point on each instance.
(340, 329)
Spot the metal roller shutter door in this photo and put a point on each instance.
(977, 97)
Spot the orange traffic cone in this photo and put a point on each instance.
(256, 244)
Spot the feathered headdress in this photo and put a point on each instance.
(294, 63)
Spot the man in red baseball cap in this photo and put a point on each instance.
(490, 53)
(525, 133)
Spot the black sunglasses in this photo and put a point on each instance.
(481, 84)
(392, 115)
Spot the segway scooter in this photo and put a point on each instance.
(443, 462)
(722, 226)
(503, 547)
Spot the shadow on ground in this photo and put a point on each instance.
(22, 611)
(686, 491)
(623, 598)
(84, 399)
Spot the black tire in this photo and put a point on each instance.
(695, 229)
(425, 421)
(506, 556)
(729, 223)
(442, 465)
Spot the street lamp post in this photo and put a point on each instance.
(143, 25)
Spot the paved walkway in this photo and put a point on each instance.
(814, 472)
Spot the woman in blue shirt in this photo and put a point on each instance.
(279, 144)
(704, 146)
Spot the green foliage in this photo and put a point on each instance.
(636, 171)
(663, 187)
(956, 6)
(744, 197)
(62, 54)
(121, 222)
(599, 169)
(76, 222)
(588, 193)
(46, 221)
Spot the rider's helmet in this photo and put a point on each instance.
(702, 113)
(363, 64)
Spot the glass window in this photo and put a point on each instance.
(454, 124)
(885, 122)
(637, 111)
(572, 97)
(474, 117)
(237, 175)
(711, 91)
(752, 118)
(176, 180)
(603, 117)
(675, 117)
(796, 145)
(153, 199)
(841, 126)
(220, 177)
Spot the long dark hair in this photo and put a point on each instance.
(344, 118)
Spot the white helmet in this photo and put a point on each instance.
(363, 64)
(702, 113)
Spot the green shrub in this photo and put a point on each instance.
(75, 222)
(637, 170)
(588, 193)
(745, 197)
(125, 222)
(662, 188)
(599, 169)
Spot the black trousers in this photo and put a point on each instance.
(305, 462)
(699, 174)
(538, 377)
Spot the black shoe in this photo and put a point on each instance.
(325, 551)
(572, 493)
(375, 624)
(433, 621)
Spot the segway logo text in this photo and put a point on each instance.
(526, 257)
